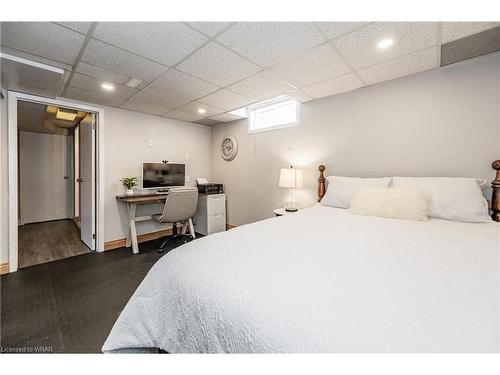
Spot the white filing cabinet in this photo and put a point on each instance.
(211, 214)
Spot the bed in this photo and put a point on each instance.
(322, 280)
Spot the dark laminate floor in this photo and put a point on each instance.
(49, 241)
(70, 305)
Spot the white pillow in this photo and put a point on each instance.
(452, 198)
(340, 189)
(398, 203)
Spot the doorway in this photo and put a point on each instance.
(55, 180)
(53, 176)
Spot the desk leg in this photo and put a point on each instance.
(132, 233)
(191, 228)
(128, 241)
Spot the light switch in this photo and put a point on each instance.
(150, 143)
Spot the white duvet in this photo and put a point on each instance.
(322, 280)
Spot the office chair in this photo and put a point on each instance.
(180, 207)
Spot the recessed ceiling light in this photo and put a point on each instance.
(202, 111)
(107, 86)
(384, 43)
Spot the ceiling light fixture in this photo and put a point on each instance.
(66, 114)
(107, 86)
(51, 109)
(384, 43)
(202, 111)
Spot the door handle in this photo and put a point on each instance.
(79, 180)
(66, 177)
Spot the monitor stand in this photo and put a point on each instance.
(162, 190)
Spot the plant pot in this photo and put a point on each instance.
(129, 191)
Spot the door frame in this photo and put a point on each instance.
(12, 147)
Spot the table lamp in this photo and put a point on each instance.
(291, 178)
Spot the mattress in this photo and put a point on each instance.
(322, 280)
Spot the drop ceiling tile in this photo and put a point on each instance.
(100, 98)
(360, 47)
(153, 102)
(18, 76)
(210, 28)
(29, 56)
(208, 122)
(347, 82)
(313, 66)
(262, 85)
(92, 84)
(226, 117)
(119, 61)
(182, 116)
(217, 65)
(403, 66)
(266, 43)
(226, 100)
(192, 109)
(164, 42)
(102, 74)
(335, 29)
(183, 85)
(457, 30)
(44, 39)
(82, 27)
(300, 96)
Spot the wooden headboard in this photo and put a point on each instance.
(495, 197)
(495, 185)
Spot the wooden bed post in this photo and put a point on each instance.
(495, 198)
(321, 182)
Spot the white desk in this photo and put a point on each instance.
(132, 202)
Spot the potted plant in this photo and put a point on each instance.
(129, 183)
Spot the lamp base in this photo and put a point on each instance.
(291, 209)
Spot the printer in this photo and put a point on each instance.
(205, 187)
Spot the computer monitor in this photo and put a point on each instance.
(163, 175)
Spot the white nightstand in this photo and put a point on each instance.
(281, 211)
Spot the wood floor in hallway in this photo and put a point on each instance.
(48, 241)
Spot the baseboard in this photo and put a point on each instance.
(116, 244)
(230, 226)
(4, 268)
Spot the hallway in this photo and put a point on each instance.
(49, 241)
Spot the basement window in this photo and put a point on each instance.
(277, 113)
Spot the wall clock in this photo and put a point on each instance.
(229, 148)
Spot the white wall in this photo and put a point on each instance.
(44, 160)
(126, 147)
(443, 122)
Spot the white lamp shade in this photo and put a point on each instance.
(291, 178)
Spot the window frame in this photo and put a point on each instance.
(276, 100)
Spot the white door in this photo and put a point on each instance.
(87, 180)
(44, 190)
